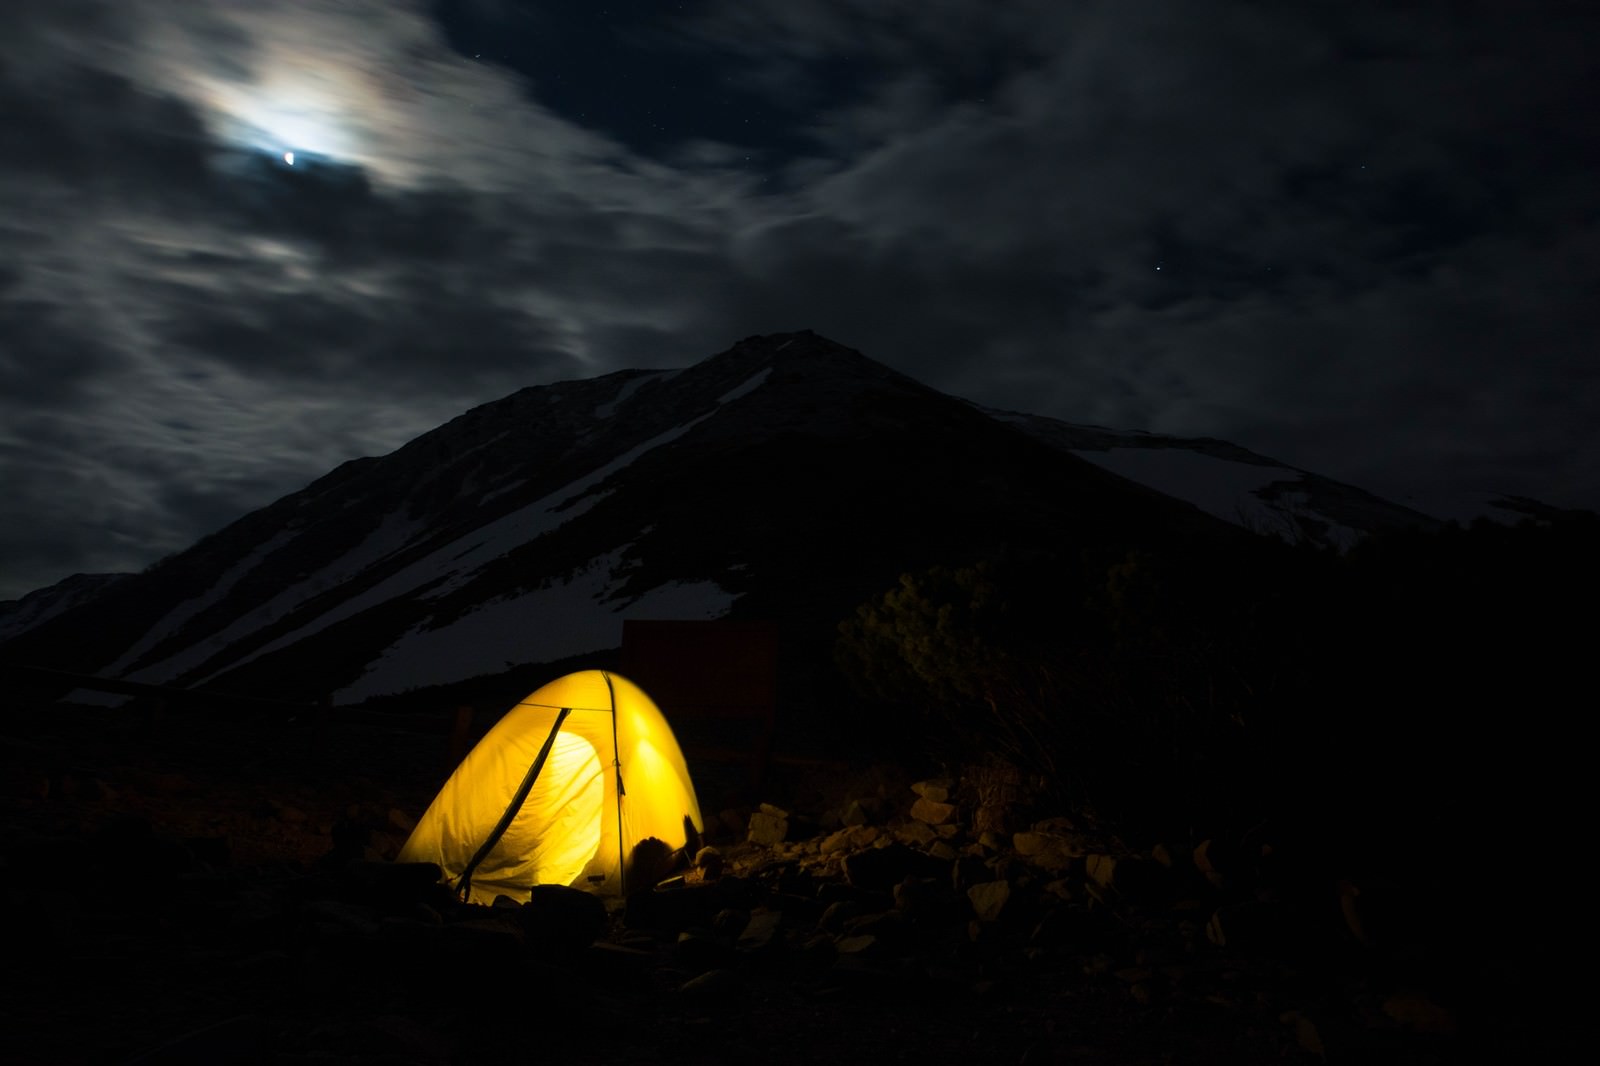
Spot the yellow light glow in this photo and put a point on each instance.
(573, 827)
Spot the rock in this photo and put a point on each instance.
(768, 826)
(1305, 1033)
(935, 789)
(393, 882)
(942, 851)
(849, 838)
(916, 897)
(1250, 925)
(618, 965)
(969, 870)
(88, 788)
(1058, 823)
(838, 915)
(932, 811)
(678, 908)
(214, 851)
(333, 915)
(1213, 860)
(1143, 881)
(222, 1041)
(886, 926)
(1145, 993)
(1420, 1014)
(856, 945)
(698, 953)
(401, 821)
(729, 824)
(839, 840)
(729, 922)
(290, 815)
(708, 861)
(759, 932)
(1102, 869)
(880, 869)
(484, 937)
(561, 919)
(854, 814)
(989, 899)
(917, 834)
(1048, 850)
(713, 984)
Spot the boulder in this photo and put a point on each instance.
(918, 834)
(1102, 869)
(1215, 861)
(880, 869)
(1420, 1014)
(1048, 850)
(850, 838)
(768, 826)
(989, 899)
(562, 920)
(933, 812)
(760, 931)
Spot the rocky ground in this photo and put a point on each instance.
(183, 892)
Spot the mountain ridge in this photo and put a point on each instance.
(787, 476)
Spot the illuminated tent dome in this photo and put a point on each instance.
(559, 792)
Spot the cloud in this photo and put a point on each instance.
(1359, 240)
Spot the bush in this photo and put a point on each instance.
(1405, 696)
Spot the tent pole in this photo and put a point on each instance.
(616, 762)
(464, 884)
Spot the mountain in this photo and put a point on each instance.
(786, 478)
(41, 605)
(1230, 482)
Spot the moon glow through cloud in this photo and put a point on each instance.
(300, 112)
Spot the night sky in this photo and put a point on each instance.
(1358, 237)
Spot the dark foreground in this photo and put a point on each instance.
(178, 894)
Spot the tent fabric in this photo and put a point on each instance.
(614, 776)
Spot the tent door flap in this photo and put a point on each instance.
(464, 885)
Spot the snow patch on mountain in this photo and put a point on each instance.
(606, 410)
(745, 389)
(510, 486)
(1218, 487)
(539, 625)
(179, 616)
(391, 535)
(453, 565)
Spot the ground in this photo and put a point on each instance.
(182, 889)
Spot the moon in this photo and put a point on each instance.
(288, 157)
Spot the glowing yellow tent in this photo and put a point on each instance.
(559, 792)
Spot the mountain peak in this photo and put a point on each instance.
(788, 476)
